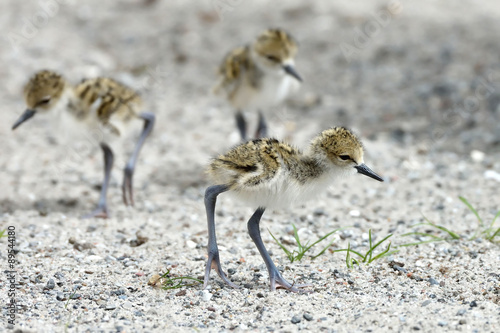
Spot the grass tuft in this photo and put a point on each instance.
(178, 281)
(368, 257)
(487, 231)
(298, 254)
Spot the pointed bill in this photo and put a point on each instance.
(25, 116)
(364, 170)
(289, 69)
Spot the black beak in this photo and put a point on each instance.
(364, 170)
(25, 116)
(290, 70)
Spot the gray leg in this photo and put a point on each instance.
(261, 127)
(242, 125)
(213, 252)
(102, 209)
(274, 275)
(127, 190)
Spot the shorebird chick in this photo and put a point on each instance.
(267, 173)
(259, 76)
(99, 104)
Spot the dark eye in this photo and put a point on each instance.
(46, 100)
(345, 157)
(272, 58)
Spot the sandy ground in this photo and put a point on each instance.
(422, 90)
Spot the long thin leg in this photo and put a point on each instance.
(261, 127)
(241, 124)
(274, 275)
(102, 209)
(213, 251)
(127, 189)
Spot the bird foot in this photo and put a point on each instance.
(214, 262)
(99, 212)
(278, 282)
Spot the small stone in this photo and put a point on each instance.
(61, 297)
(308, 316)
(399, 268)
(477, 156)
(110, 307)
(427, 302)
(50, 284)
(260, 295)
(442, 323)
(462, 321)
(231, 271)
(190, 244)
(212, 316)
(138, 314)
(354, 213)
(127, 305)
(295, 319)
(461, 312)
(206, 296)
(473, 304)
(432, 281)
(181, 293)
(91, 228)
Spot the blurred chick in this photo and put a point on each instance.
(258, 76)
(101, 104)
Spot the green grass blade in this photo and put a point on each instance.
(288, 253)
(422, 242)
(423, 234)
(494, 219)
(497, 233)
(321, 239)
(351, 251)
(449, 232)
(472, 209)
(348, 261)
(370, 242)
(380, 255)
(370, 251)
(177, 282)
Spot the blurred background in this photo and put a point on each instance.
(411, 77)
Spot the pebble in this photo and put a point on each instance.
(427, 302)
(442, 323)
(190, 244)
(308, 316)
(432, 281)
(206, 295)
(110, 307)
(50, 284)
(295, 319)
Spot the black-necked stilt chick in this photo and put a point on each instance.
(100, 104)
(259, 76)
(267, 173)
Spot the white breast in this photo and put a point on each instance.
(275, 86)
(284, 191)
